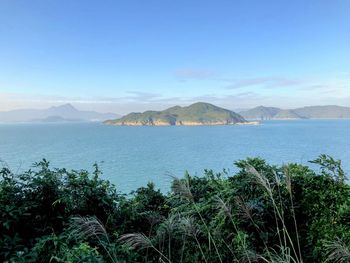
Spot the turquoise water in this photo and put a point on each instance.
(132, 156)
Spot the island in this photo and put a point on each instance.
(199, 113)
(310, 112)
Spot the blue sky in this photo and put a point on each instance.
(133, 55)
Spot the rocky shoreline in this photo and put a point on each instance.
(179, 123)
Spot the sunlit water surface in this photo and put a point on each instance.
(132, 156)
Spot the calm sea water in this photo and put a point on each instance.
(132, 156)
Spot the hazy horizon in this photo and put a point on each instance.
(160, 108)
(132, 56)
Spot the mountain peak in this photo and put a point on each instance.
(202, 104)
(199, 113)
(307, 112)
(260, 113)
(66, 106)
(66, 111)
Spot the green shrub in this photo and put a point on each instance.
(263, 213)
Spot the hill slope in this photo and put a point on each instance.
(196, 114)
(324, 112)
(260, 113)
(66, 111)
(287, 115)
(311, 112)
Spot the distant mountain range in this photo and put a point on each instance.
(311, 112)
(199, 113)
(63, 113)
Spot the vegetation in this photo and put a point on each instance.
(199, 113)
(263, 213)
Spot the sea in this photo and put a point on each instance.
(130, 157)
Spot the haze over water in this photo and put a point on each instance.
(132, 156)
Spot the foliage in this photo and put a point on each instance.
(263, 213)
(199, 113)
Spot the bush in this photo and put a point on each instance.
(263, 213)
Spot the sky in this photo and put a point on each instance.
(134, 55)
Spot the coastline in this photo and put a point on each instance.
(160, 124)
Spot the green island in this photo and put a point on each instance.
(261, 213)
(199, 113)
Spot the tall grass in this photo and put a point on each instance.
(286, 244)
(284, 253)
(82, 228)
(193, 227)
(338, 252)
